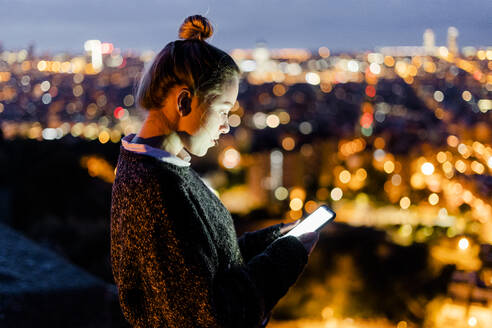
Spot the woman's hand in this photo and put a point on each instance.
(288, 227)
(309, 240)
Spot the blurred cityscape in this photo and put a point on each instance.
(397, 140)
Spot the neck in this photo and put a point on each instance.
(157, 124)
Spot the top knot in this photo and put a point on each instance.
(196, 27)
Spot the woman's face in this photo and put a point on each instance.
(210, 120)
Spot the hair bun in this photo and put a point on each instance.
(196, 27)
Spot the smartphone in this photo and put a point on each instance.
(313, 222)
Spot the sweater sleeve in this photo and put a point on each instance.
(193, 293)
(271, 273)
(254, 242)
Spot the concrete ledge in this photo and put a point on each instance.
(38, 288)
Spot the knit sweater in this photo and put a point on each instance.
(175, 256)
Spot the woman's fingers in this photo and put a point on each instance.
(288, 227)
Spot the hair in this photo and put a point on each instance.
(191, 61)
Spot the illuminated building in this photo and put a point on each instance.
(276, 166)
(453, 40)
(429, 42)
(94, 48)
(261, 56)
(256, 176)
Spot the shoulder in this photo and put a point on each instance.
(140, 169)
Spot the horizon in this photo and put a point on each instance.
(314, 49)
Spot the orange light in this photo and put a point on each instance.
(389, 166)
(405, 203)
(298, 192)
(389, 61)
(296, 204)
(345, 176)
(311, 206)
(288, 143)
(279, 90)
(379, 143)
(453, 141)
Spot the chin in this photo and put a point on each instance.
(200, 152)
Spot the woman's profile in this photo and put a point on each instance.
(175, 256)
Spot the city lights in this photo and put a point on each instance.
(463, 243)
(433, 199)
(324, 52)
(397, 140)
(310, 206)
(230, 158)
(405, 203)
(312, 78)
(259, 120)
(466, 95)
(453, 141)
(235, 120)
(427, 168)
(396, 180)
(345, 176)
(296, 204)
(288, 143)
(298, 192)
(336, 194)
(272, 121)
(441, 157)
(389, 166)
(305, 128)
(485, 105)
(361, 174)
(281, 193)
(402, 324)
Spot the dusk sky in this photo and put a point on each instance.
(63, 25)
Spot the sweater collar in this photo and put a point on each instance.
(157, 153)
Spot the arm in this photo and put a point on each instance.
(239, 296)
(255, 242)
(203, 290)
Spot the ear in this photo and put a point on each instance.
(184, 102)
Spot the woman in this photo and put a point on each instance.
(175, 256)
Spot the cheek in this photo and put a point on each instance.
(212, 122)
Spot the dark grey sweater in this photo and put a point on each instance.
(175, 256)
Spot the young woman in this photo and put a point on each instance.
(175, 256)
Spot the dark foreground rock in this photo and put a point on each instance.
(40, 289)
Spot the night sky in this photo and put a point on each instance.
(348, 25)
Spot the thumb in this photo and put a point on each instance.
(288, 227)
(309, 240)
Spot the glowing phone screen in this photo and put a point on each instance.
(313, 222)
